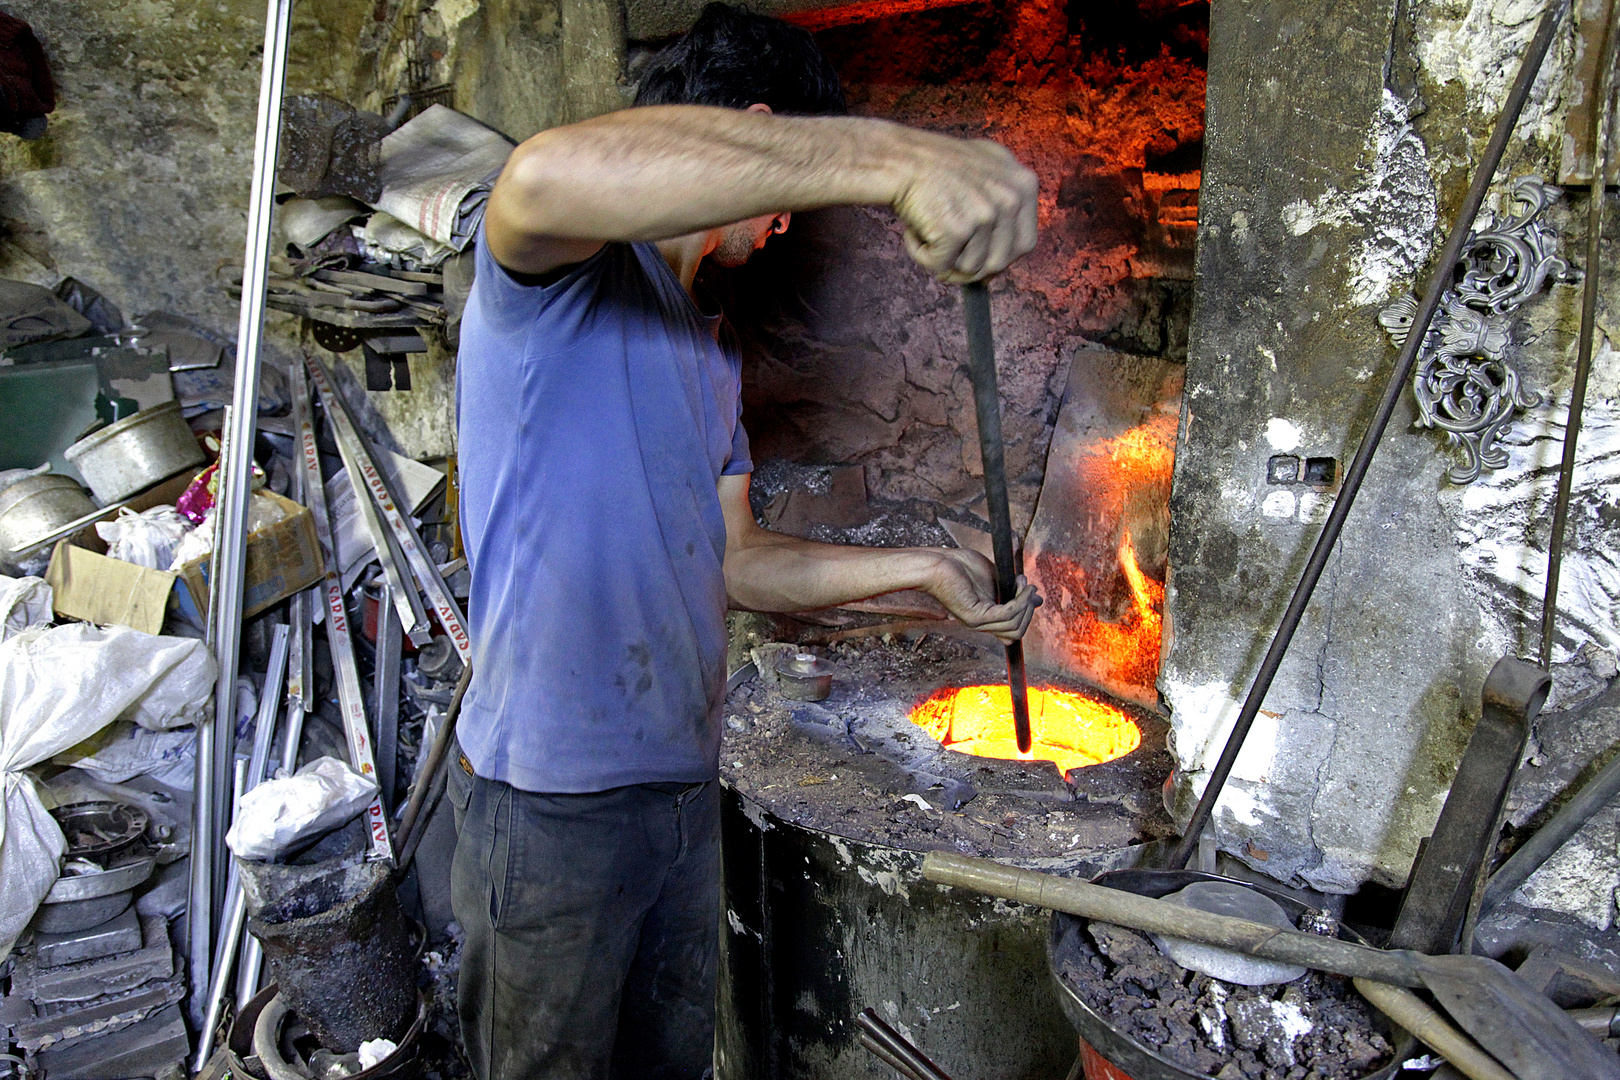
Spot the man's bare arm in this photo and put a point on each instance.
(658, 172)
(767, 571)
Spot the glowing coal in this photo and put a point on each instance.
(1069, 729)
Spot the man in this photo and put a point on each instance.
(605, 511)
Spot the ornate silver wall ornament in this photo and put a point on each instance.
(1464, 384)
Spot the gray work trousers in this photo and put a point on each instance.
(592, 929)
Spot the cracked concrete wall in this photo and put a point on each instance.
(1340, 140)
(140, 188)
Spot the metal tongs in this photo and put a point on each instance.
(895, 1050)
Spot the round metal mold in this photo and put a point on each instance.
(127, 872)
(35, 507)
(804, 677)
(404, 1063)
(1126, 1054)
(136, 452)
(101, 828)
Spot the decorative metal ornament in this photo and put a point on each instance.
(1464, 384)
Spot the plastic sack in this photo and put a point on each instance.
(273, 817)
(123, 751)
(263, 511)
(146, 539)
(58, 687)
(24, 602)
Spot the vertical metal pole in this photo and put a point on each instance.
(230, 515)
(385, 690)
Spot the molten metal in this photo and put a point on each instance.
(1069, 729)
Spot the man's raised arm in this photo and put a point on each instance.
(657, 172)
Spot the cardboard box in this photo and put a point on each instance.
(89, 586)
(282, 559)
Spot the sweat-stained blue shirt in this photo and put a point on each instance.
(596, 415)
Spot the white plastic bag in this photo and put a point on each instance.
(58, 687)
(24, 602)
(263, 512)
(277, 814)
(146, 539)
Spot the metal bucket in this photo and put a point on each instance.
(136, 452)
(37, 506)
(1117, 1056)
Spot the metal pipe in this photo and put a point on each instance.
(436, 756)
(898, 1046)
(385, 690)
(1589, 298)
(1439, 279)
(231, 507)
(992, 452)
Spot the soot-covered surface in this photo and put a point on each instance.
(1314, 1028)
(854, 766)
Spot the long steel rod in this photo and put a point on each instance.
(230, 515)
(1439, 278)
(1583, 363)
(992, 454)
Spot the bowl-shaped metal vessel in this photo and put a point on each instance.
(33, 508)
(136, 452)
(1131, 1057)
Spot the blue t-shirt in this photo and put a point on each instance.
(596, 415)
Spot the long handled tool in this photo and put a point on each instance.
(895, 1050)
(1518, 1025)
(1398, 378)
(987, 403)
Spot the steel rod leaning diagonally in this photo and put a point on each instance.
(987, 406)
(230, 515)
(1439, 278)
(1601, 119)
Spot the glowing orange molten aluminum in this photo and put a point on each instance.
(1069, 729)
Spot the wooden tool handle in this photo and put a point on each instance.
(1158, 917)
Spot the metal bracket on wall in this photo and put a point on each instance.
(1464, 383)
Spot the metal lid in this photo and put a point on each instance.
(803, 666)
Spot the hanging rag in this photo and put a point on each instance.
(27, 93)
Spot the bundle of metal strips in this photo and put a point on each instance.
(353, 444)
(350, 701)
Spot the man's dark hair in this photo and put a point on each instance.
(733, 58)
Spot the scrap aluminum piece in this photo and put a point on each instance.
(1464, 383)
(113, 879)
(804, 677)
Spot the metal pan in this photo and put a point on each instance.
(1138, 1059)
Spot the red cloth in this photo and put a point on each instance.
(26, 90)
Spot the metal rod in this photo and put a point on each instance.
(1439, 278)
(249, 775)
(350, 700)
(408, 607)
(436, 756)
(231, 508)
(879, 1051)
(898, 1045)
(1594, 796)
(300, 611)
(385, 690)
(1583, 361)
(987, 404)
(426, 572)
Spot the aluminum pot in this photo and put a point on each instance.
(136, 452)
(33, 508)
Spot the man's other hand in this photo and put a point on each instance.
(965, 582)
(969, 207)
